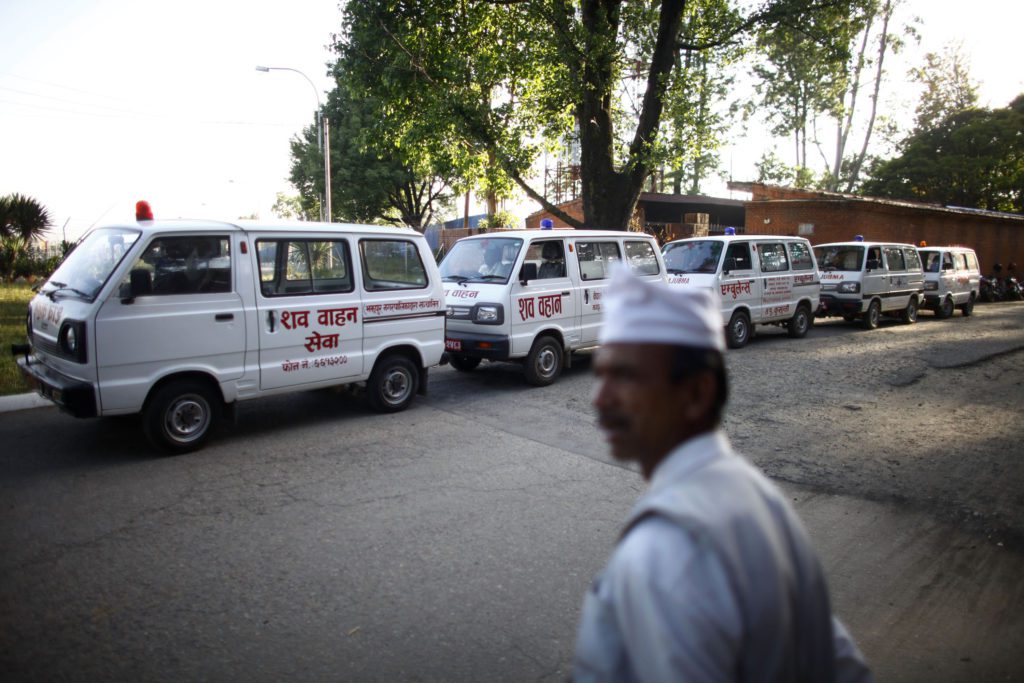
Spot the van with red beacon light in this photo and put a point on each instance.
(759, 280)
(534, 296)
(866, 280)
(179, 320)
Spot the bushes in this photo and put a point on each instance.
(28, 264)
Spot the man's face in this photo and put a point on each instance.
(642, 412)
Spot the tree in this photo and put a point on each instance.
(290, 207)
(376, 175)
(948, 87)
(22, 221)
(503, 79)
(971, 158)
(802, 79)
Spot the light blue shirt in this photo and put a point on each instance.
(664, 608)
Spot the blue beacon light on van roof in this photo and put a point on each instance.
(547, 224)
(730, 231)
(858, 238)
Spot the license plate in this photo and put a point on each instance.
(452, 344)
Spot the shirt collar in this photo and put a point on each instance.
(688, 457)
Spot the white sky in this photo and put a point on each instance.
(105, 102)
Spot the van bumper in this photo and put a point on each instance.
(475, 345)
(70, 395)
(830, 305)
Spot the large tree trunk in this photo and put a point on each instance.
(610, 195)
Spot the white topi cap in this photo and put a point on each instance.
(639, 311)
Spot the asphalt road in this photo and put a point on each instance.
(315, 540)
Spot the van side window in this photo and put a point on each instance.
(773, 257)
(295, 267)
(947, 261)
(913, 259)
(641, 258)
(391, 264)
(800, 256)
(960, 261)
(549, 255)
(183, 265)
(596, 259)
(894, 258)
(972, 260)
(737, 257)
(874, 260)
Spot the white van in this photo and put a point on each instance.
(952, 279)
(534, 295)
(178, 320)
(868, 279)
(759, 279)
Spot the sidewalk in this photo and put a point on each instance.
(22, 402)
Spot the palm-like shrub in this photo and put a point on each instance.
(22, 220)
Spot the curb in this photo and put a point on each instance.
(15, 402)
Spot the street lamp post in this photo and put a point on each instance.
(324, 138)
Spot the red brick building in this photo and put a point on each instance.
(833, 217)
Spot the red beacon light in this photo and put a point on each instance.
(143, 212)
(923, 244)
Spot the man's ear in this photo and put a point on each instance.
(697, 396)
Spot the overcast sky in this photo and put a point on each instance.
(105, 102)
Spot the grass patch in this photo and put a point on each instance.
(13, 305)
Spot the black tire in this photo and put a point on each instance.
(738, 331)
(392, 384)
(544, 362)
(463, 363)
(180, 415)
(968, 308)
(872, 316)
(909, 314)
(800, 323)
(945, 308)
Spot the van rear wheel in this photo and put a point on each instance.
(179, 417)
(544, 362)
(799, 323)
(909, 315)
(392, 384)
(945, 308)
(872, 316)
(737, 333)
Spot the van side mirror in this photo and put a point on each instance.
(527, 272)
(872, 264)
(140, 283)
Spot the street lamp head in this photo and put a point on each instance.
(263, 68)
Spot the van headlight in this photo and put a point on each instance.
(71, 340)
(848, 288)
(489, 314)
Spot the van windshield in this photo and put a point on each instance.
(840, 257)
(86, 269)
(481, 260)
(699, 256)
(931, 261)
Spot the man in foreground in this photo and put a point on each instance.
(714, 577)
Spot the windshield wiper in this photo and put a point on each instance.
(679, 271)
(455, 278)
(488, 278)
(63, 287)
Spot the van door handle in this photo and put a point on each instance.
(224, 317)
(270, 320)
(566, 293)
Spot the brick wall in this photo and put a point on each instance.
(996, 237)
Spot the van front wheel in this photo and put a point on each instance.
(799, 323)
(392, 384)
(737, 333)
(544, 363)
(180, 416)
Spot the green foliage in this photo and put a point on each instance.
(13, 308)
(500, 219)
(948, 87)
(972, 158)
(494, 84)
(22, 221)
(291, 208)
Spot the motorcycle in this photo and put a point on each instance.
(990, 289)
(1012, 289)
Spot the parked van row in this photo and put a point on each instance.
(180, 320)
